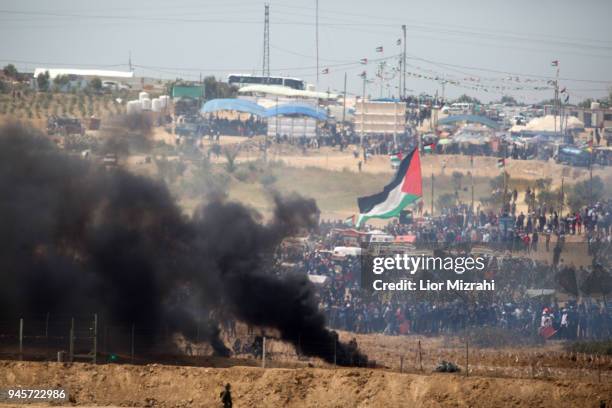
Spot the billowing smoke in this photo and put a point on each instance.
(127, 133)
(77, 237)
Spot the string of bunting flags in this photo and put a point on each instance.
(477, 83)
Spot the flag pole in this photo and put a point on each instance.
(472, 182)
(363, 109)
(432, 194)
(403, 73)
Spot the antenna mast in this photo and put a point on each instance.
(266, 48)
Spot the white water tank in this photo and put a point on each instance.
(133, 107)
(164, 99)
(595, 105)
(156, 105)
(146, 103)
(143, 95)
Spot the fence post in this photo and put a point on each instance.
(335, 344)
(263, 353)
(95, 339)
(132, 348)
(401, 364)
(47, 334)
(21, 339)
(420, 357)
(71, 341)
(467, 357)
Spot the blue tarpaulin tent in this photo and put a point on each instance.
(296, 109)
(239, 105)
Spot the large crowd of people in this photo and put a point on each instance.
(516, 303)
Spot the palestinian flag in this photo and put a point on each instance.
(429, 147)
(405, 188)
(555, 63)
(395, 159)
(325, 71)
(501, 163)
(379, 49)
(350, 221)
(363, 61)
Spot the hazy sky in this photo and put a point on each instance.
(445, 39)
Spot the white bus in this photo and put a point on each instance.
(459, 108)
(241, 80)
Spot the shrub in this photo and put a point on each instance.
(494, 337)
(591, 347)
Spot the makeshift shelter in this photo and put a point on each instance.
(468, 119)
(237, 105)
(294, 120)
(294, 109)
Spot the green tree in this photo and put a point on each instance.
(230, 154)
(467, 99)
(10, 71)
(580, 193)
(42, 81)
(509, 100)
(586, 103)
(96, 84)
(61, 80)
(214, 89)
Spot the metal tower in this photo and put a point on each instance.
(266, 48)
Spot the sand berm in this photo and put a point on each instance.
(179, 386)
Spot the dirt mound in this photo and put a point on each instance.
(172, 386)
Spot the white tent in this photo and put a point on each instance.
(547, 124)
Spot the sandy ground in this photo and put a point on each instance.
(174, 386)
(332, 159)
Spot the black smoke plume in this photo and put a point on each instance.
(128, 133)
(78, 237)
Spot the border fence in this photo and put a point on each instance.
(84, 339)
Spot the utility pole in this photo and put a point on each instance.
(381, 68)
(443, 89)
(317, 37)
(130, 61)
(556, 104)
(265, 70)
(591, 174)
(344, 103)
(404, 63)
(399, 74)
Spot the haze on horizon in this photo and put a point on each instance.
(449, 40)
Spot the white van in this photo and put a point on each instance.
(341, 252)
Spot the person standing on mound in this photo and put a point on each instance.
(226, 396)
